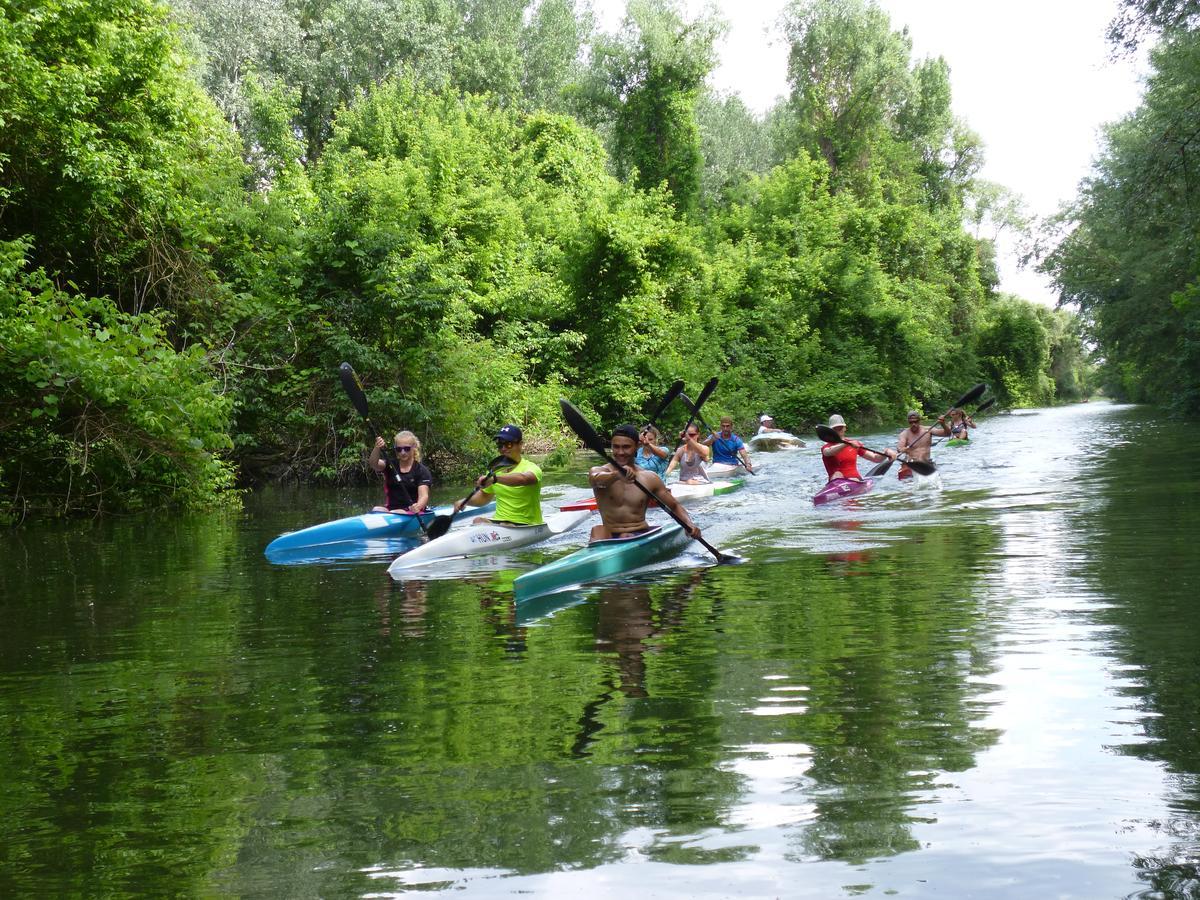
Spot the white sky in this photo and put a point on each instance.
(1032, 77)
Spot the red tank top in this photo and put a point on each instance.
(844, 462)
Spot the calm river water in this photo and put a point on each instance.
(987, 689)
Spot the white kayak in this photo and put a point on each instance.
(775, 440)
(685, 492)
(488, 538)
(725, 470)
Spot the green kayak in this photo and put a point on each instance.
(957, 442)
(601, 559)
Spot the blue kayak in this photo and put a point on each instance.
(601, 559)
(368, 526)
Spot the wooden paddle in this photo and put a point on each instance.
(354, 390)
(829, 436)
(442, 523)
(969, 397)
(596, 444)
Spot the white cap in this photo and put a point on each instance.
(835, 420)
(766, 418)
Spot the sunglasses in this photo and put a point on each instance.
(507, 443)
(405, 449)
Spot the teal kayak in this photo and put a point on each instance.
(601, 559)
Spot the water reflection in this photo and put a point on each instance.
(988, 688)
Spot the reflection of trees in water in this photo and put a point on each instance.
(883, 673)
(1137, 546)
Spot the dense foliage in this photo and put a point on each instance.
(1130, 257)
(481, 217)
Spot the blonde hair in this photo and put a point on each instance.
(416, 442)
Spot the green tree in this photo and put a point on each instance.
(645, 83)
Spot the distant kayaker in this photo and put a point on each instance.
(517, 489)
(841, 458)
(916, 442)
(960, 422)
(766, 425)
(727, 448)
(621, 503)
(651, 455)
(407, 488)
(690, 458)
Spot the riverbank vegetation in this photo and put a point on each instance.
(482, 205)
(1128, 250)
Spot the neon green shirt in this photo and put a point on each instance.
(521, 504)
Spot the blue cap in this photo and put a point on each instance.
(509, 433)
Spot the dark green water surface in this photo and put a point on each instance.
(988, 688)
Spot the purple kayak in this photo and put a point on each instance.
(842, 487)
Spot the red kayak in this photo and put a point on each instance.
(842, 487)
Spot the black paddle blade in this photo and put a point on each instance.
(354, 389)
(972, 395)
(440, 526)
(828, 435)
(985, 406)
(921, 468)
(672, 392)
(574, 418)
(880, 469)
(705, 394)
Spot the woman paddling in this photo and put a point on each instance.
(841, 457)
(690, 459)
(960, 422)
(407, 488)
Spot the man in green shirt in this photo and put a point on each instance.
(517, 489)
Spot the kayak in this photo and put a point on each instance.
(957, 442)
(725, 470)
(842, 487)
(683, 493)
(601, 559)
(478, 540)
(366, 526)
(776, 440)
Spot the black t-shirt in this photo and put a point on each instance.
(411, 480)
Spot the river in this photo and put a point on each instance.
(989, 688)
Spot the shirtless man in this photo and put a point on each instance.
(622, 503)
(916, 443)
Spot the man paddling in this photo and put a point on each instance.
(621, 504)
(841, 456)
(915, 442)
(727, 447)
(517, 489)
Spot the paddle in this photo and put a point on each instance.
(672, 392)
(695, 407)
(354, 390)
(969, 397)
(596, 444)
(829, 436)
(442, 523)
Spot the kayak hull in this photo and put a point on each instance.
(684, 493)
(725, 470)
(957, 442)
(602, 559)
(480, 540)
(775, 440)
(368, 526)
(841, 488)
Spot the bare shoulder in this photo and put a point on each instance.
(650, 480)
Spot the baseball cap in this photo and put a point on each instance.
(912, 413)
(509, 433)
(766, 418)
(835, 420)
(626, 431)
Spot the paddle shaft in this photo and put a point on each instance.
(442, 523)
(672, 392)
